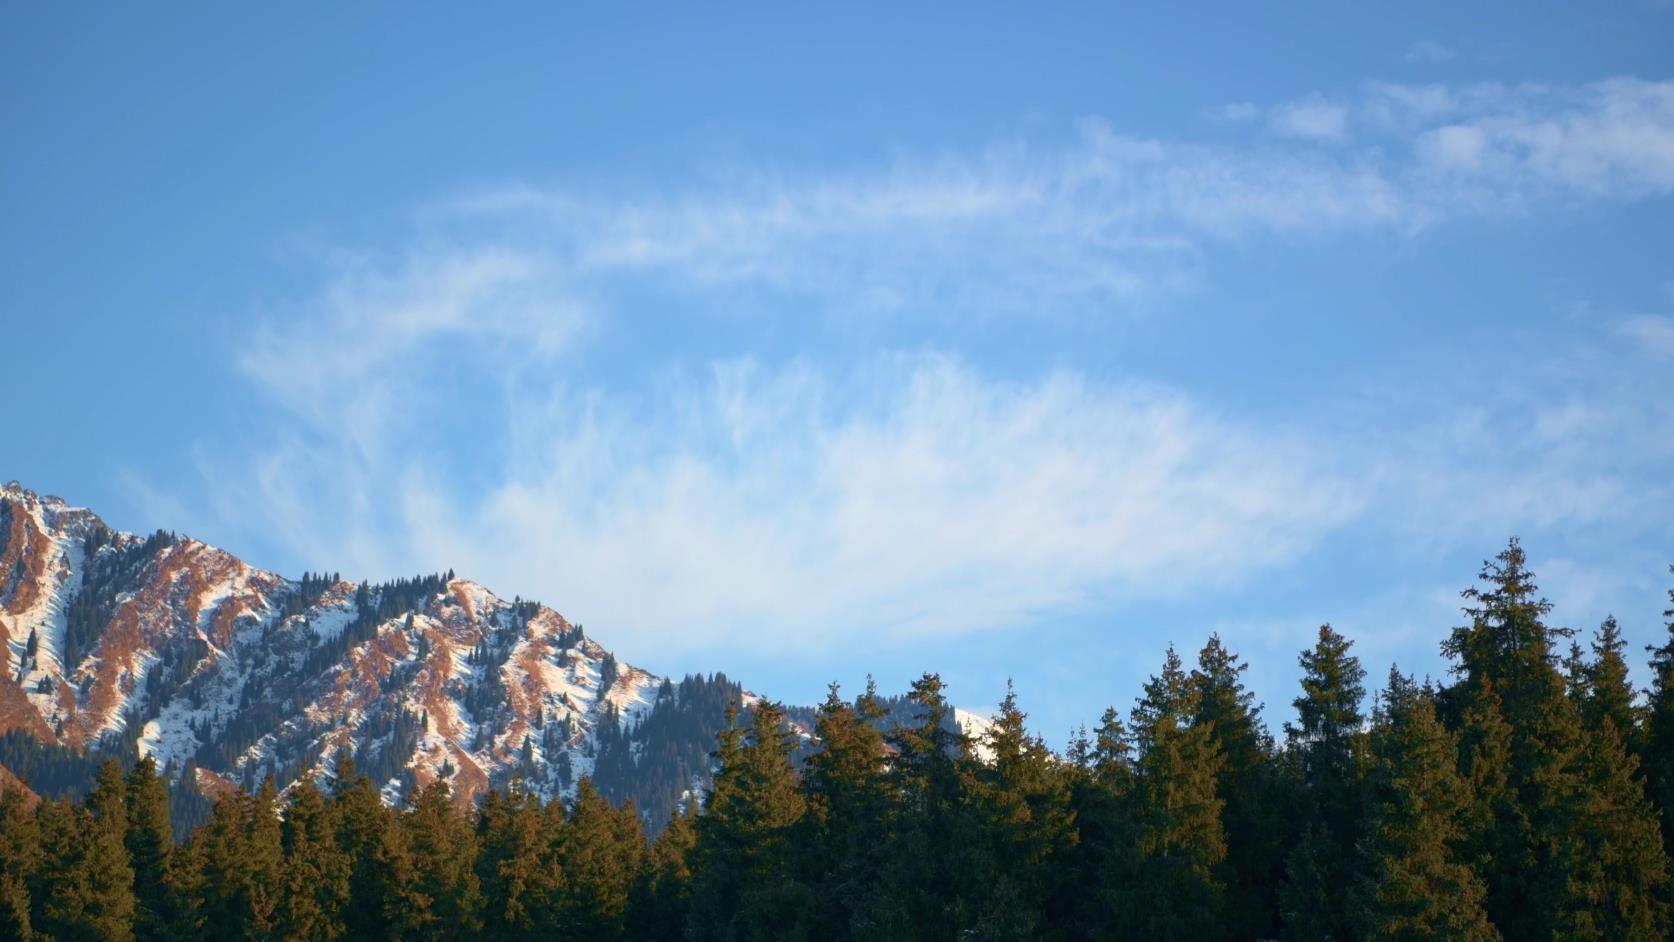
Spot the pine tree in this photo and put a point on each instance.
(443, 848)
(1412, 883)
(1175, 890)
(383, 902)
(150, 841)
(20, 863)
(1657, 744)
(848, 807)
(1246, 789)
(744, 871)
(1021, 799)
(1616, 873)
(1608, 694)
(663, 890)
(516, 866)
(83, 888)
(601, 850)
(1327, 742)
(316, 870)
(927, 887)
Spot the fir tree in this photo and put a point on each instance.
(316, 869)
(745, 884)
(1175, 890)
(1657, 744)
(1608, 695)
(443, 848)
(848, 808)
(20, 863)
(1246, 789)
(1412, 884)
(663, 891)
(1021, 799)
(150, 841)
(601, 851)
(1327, 742)
(83, 888)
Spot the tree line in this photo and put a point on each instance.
(1526, 798)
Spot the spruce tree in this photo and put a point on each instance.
(1608, 694)
(744, 870)
(383, 901)
(848, 807)
(1255, 860)
(83, 888)
(443, 849)
(1657, 744)
(1327, 743)
(150, 842)
(315, 870)
(928, 888)
(1616, 873)
(601, 850)
(20, 862)
(1021, 799)
(516, 867)
(1175, 889)
(663, 891)
(1413, 885)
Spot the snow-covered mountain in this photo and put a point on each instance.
(226, 673)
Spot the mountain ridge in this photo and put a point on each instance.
(168, 647)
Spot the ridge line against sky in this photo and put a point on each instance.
(1067, 387)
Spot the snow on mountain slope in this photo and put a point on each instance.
(167, 647)
(185, 653)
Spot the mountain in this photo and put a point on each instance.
(164, 646)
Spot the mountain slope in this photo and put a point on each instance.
(168, 647)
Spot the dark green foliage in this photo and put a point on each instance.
(1326, 745)
(1413, 884)
(1520, 802)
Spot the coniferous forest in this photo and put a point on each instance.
(1525, 796)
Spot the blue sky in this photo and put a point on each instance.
(801, 344)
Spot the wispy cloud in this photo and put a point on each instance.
(1429, 50)
(908, 494)
(1652, 333)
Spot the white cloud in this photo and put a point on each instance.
(1650, 332)
(1313, 118)
(915, 494)
(1428, 50)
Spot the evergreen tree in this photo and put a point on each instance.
(1413, 885)
(1175, 890)
(928, 886)
(1657, 744)
(1326, 742)
(150, 841)
(243, 867)
(601, 850)
(83, 888)
(1021, 800)
(443, 848)
(20, 863)
(383, 900)
(848, 807)
(1246, 788)
(1608, 695)
(663, 891)
(744, 871)
(316, 869)
(516, 867)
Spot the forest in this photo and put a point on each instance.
(1526, 797)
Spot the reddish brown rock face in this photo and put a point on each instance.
(199, 658)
